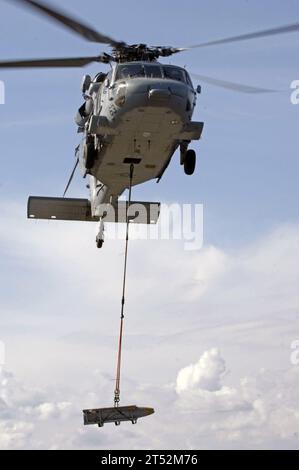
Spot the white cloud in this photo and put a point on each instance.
(63, 324)
(205, 374)
(258, 411)
(20, 410)
(52, 410)
(199, 385)
(211, 264)
(14, 435)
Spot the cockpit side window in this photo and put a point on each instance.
(188, 79)
(174, 73)
(129, 71)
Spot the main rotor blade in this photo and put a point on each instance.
(60, 62)
(231, 85)
(71, 23)
(71, 177)
(243, 37)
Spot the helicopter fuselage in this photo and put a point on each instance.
(139, 113)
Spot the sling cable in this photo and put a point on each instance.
(118, 368)
(118, 414)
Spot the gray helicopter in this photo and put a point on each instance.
(133, 117)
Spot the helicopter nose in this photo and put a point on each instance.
(159, 94)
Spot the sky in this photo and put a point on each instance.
(208, 332)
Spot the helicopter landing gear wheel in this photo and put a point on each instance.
(100, 235)
(99, 243)
(117, 423)
(189, 162)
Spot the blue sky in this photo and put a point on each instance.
(241, 286)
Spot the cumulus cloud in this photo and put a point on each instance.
(52, 410)
(199, 385)
(15, 435)
(20, 410)
(260, 409)
(205, 374)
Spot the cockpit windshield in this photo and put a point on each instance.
(174, 73)
(130, 71)
(153, 71)
(125, 71)
(138, 70)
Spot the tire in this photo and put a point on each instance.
(100, 243)
(189, 162)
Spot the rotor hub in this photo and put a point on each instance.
(138, 52)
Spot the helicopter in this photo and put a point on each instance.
(136, 115)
